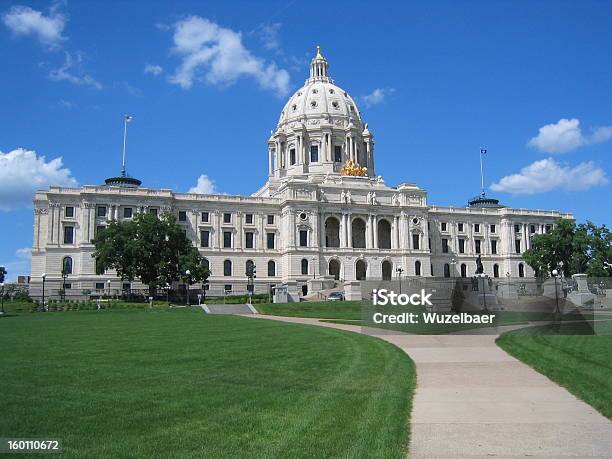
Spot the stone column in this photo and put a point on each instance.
(315, 230)
(369, 232)
(343, 230)
(375, 223)
(270, 162)
(239, 232)
(349, 230)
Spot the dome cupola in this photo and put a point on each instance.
(320, 129)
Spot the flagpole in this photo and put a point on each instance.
(125, 121)
(482, 192)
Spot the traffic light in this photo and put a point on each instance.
(2, 274)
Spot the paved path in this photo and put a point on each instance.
(473, 399)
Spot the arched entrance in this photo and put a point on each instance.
(387, 270)
(334, 268)
(361, 268)
(384, 234)
(332, 232)
(358, 228)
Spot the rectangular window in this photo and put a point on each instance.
(303, 238)
(67, 286)
(249, 239)
(492, 227)
(444, 245)
(461, 245)
(270, 219)
(126, 287)
(415, 241)
(517, 228)
(204, 238)
(338, 153)
(460, 227)
(249, 219)
(182, 216)
(99, 229)
(153, 211)
(205, 217)
(494, 247)
(532, 229)
(517, 245)
(443, 226)
(127, 212)
(228, 288)
(68, 234)
(292, 156)
(99, 285)
(69, 212)
(101, 211)
(270, 240)
(477, 227)
(227, 239)
(314, 153)
(477, 245)
(227, 217)
(548, 228)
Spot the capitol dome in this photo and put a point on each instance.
(320, 97)
(320, 131)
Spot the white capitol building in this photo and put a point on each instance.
(322, 216)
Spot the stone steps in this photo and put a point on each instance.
(229, 309)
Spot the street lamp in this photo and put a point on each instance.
(187, 282)
(399, 270)
(44, 277)
(453, 262)
(555, 274)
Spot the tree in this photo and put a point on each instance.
(155, 250)
(584, 248)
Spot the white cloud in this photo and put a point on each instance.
(24, 254)
(217, 56)
(19, 265)
(204, 186)
(22, 172)
(23, 20)
(153, 69)
(72, 72)
(566, 135)
(548, 175)
(376, 96)
(268, 33)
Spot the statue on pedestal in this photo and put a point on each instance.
(479, 267)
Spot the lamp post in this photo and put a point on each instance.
(187, 282)
(555, 273)
(399, 270)
(453, 262)
(108, 284)
(484, 296)
(44, 277)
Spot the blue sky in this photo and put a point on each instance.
(206, 81)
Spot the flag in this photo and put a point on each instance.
(128, 118)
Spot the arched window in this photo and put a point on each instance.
(358, 228)
(248, 267)
(332, 232)
(227, 268)
(387, 270)
(463, 270)
(417, 268)
(521, 270)
(271, 268)
(304, 266)
(361, 268)
(446, 270)
(67, 265)
(496, 270)
(384, 234)
(205, 263)
(334, 268)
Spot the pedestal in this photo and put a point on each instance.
(352, 290)
(582, 296)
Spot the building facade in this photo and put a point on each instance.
(323, 216)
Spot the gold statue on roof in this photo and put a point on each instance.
(353, 169)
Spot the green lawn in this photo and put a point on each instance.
(180, 383)
(570, 356)
(315, 309)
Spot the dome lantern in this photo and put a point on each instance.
(318, 67)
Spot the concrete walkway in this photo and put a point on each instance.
(473, 399)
